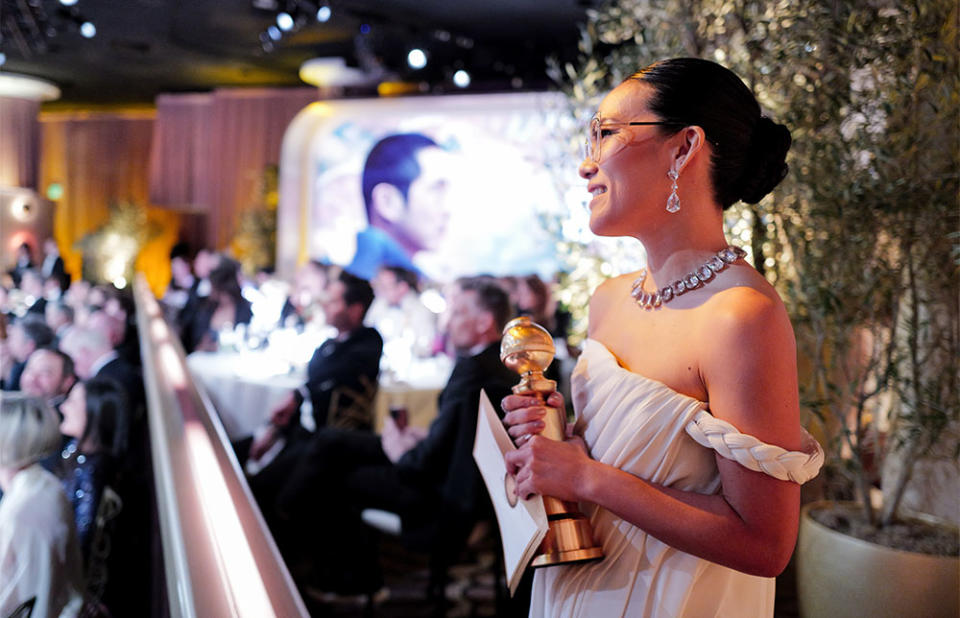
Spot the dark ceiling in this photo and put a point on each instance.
(145, 47)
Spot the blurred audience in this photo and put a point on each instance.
(23, 337)
(24, 261)
(341, 383)
(52, 265)
(534, 299)
(397, 312)
(59, 317)
(429, 478)
(309, 284)
(204, 263)
(77, 293)
(31, 284)
(40, 556)
(49, 376)
(223, 309)
(95, 419)
(181, 278)
(94, 355)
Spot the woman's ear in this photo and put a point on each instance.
(691, 143)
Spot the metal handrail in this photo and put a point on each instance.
(219, 555)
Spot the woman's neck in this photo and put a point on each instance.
(6, 476)
(671, 256)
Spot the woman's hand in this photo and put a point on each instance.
(550, 467)
(524, 414)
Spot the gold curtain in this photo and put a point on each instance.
(101, 158)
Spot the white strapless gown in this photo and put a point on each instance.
(640, 426)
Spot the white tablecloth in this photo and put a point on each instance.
(245, 386)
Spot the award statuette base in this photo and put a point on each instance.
(564, 542)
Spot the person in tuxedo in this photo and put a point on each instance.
(52, 265)
(425, 479)
(49, 375)
(31, 284)
(341, 383)
(24, 336)
(95, 357)
(204, 263)
(181, 279)
(23, 262)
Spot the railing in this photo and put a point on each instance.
(219, 556)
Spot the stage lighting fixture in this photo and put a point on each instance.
(3, 58)
(88, 30)
(274, 33)
(461, 79)
(285, 21)
(323, 14)
(417, 58)
(68, 2)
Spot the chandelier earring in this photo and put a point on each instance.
(673, 202)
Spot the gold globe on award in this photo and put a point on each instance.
(527, 348)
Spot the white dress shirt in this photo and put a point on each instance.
(410, 321)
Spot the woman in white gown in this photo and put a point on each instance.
(687, 454)
(40, 567)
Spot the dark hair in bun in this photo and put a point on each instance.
(749, 150)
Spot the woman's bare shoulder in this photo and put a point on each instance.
(608, 293)
(748, 363)
(749, 303)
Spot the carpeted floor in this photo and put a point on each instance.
(471, 591)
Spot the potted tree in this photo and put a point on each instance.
(861, 240)
(874, 300)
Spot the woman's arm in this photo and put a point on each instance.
(749, 369)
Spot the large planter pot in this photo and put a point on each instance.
(842, 576)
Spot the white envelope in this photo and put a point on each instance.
(522, 525)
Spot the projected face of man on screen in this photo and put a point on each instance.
(405, 181)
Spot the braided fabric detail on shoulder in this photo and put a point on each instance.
(724, 438)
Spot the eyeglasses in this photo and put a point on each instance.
(598, 125)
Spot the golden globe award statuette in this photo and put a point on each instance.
(527, 348)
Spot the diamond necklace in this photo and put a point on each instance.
(691, 281)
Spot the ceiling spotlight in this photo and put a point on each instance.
(3, 58)
(88, 30)
(285, 21)
(274, 33)
(417, 59)
(364, 28)
(324, 13)
(461, 79)
(68, 2)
